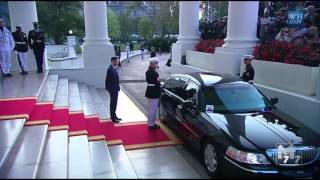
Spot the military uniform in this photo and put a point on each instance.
(152, 93)
(248, 73)
(36, 42)
(6, 46)
(21, 46)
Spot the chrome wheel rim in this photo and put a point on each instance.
(210, 157)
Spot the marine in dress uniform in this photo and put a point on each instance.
(113, 87)
(36, 42)
(21, 46)
(6, 47)
(153, 92)
(248, 72)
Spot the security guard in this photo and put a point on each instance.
(248, 72)
(153, 92)
(21, 46)
(36, 42)
(6, 46)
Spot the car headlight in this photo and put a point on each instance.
(247, 157)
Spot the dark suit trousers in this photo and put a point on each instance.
(113, 104)
(38, 53)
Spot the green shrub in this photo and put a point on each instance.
(164, 43)
(78, 49)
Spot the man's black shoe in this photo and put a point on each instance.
(115, 121)
(9, 75)
(119, 119)
(156, 126)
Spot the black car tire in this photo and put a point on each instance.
(209, 146)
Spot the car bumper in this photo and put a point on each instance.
(240, 171)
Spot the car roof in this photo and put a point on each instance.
(209, 78)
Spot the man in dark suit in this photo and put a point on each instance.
(113, 87)
(36, 42)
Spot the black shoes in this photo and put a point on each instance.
(24, 73)
(7, 75)
(116, 120)
(41, 71)
(156, 126)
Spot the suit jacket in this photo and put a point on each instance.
(37, 38)
(112, 80)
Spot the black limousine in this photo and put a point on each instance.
(237, 128)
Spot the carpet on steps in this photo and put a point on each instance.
(15, 108)
(41, 114)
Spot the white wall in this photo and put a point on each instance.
(221, 62)
(291, 77)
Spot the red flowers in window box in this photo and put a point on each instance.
(289, 53)
(209, 45)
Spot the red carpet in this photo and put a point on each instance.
(41, 114)
(77, 124)
(95, 131)
(59, 119)
(15, 108)
(137, 136)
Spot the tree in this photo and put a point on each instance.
(126, 26)
(145, 27)
(113, 25)
(56, 18)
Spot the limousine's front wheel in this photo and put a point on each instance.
(211, 159)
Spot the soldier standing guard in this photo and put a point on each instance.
(6, 46)
(248, 72)
(153, 93)
(21, 46)
(36, 42)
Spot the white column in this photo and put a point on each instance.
(188, 29)
(23, 13)
(241, 27)
(97, 49)
(96, 26)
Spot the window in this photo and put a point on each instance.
(235, 98)
(191, 91)
(176, 85)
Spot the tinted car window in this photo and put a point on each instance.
(176, 85)
(234, 98)
(191, 91)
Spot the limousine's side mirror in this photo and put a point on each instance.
(274, 100)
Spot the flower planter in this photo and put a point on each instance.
(217, 63)
(300, 79)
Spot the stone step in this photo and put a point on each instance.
(54, 162)
(101, 160)
(122, 163)
(9, 133)
(61, 98)
(74, 99)
(105, 98)
(24, 159)
(86, 100)
(49, 88)
(101, 110)
(79, 158)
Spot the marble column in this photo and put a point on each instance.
(241, 27)
(23, 13)
(97, 47)
(189, 34)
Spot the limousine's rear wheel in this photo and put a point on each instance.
(211, 159)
